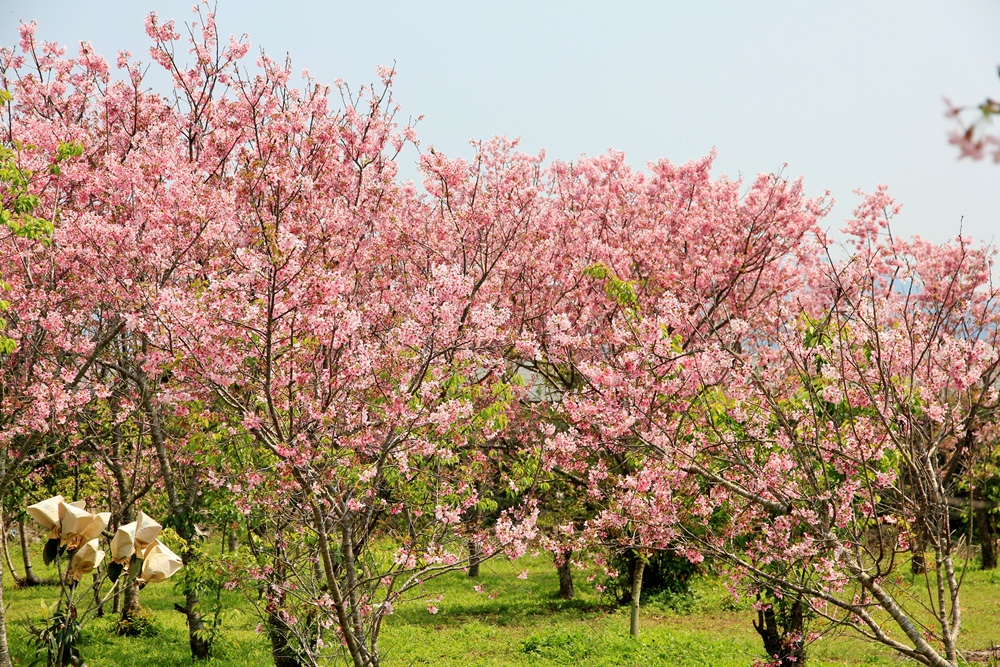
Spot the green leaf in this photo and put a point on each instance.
(50, 551)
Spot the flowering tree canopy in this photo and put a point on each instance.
(235, 270)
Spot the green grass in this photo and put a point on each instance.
(510, 622)
(239, 643)
(526, 624)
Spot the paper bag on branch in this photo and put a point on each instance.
(48, 513)
(86, 558)
(80, 526)
(159, 564)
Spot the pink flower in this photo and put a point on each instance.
(966, 145)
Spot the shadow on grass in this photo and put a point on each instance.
(499, 611)
(23, 584)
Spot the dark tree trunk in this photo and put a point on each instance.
(986, 532)
(282, 648)
(566, 591)
(285, 643)
(777, 643)
(475, 557)
(201, 646)
(130, 600)
(130, 596)
(30, 578)
(98, 600)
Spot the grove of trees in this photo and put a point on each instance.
(222, 302)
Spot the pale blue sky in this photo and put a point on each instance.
(847, 92)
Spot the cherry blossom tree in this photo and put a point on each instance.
(231, 283)
(807, 447)
(659, 262)
(352, 330)
(242, 247)
(44, 358)
(133, 221)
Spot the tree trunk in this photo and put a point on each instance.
(784, 646)
(130, 600)
(987, 537)
(200, 641)
(566, 591)
(640, 565)
(201, 645)
(98, 600)
(918, 560)
(30, 578)
(233, 538)
(6, 550)
(355, 646)
(4, 648)
(475, 556)
(282, 649)
(126, 600)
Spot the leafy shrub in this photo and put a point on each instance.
(666, 577)
(684, 604)
(139, 623)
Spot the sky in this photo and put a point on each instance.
(847, 93)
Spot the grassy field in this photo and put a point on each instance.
(510, 621)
